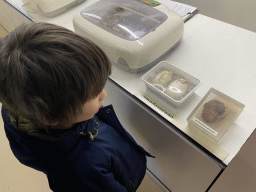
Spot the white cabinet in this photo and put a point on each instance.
(181, 167)
(239, 176)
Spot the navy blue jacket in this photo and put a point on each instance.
(112, 162)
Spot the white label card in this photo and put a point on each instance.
(206, 127)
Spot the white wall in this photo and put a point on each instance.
(236, 12)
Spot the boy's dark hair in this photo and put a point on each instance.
(50, 70)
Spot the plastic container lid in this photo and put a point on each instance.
(215, 113)
(130, 20)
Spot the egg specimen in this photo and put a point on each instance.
(177, 88)
(162, 78)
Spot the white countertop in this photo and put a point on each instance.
(221, 55)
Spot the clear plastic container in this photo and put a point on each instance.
(170, 82)
(129, 20)
(214, 114)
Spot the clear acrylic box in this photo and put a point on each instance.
(130, 20)
(214, 114)
(174, 88)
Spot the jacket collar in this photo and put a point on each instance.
(29, 128)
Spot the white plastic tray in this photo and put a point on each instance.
(147, 78)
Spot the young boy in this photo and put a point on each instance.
(51, 88)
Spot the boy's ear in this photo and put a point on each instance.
(46, 121)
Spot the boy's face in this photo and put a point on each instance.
(91, 107)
